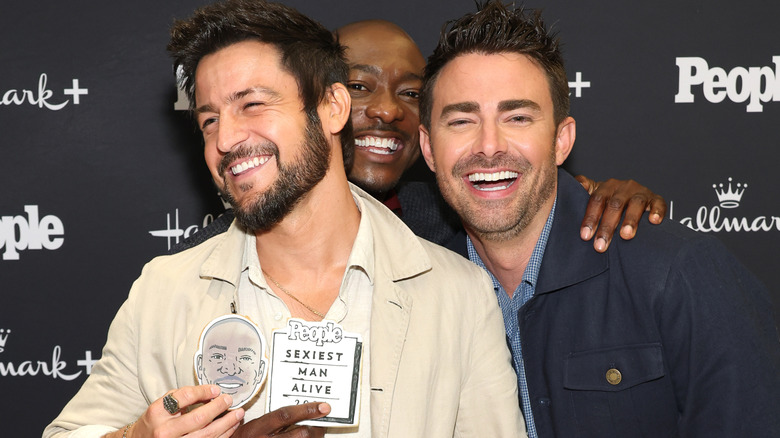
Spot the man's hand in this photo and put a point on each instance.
(608, 200)
(200, 422)
(281, 423)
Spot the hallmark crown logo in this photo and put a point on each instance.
(3, 338)
(729, 198)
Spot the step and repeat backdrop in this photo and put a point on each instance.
(101, 169)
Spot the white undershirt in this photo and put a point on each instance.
(351, 309)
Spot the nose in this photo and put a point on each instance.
(231, 132)
(230, 367)
(490, 141)
(384, 106)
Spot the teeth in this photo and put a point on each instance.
(249, 164)
(493, 176)
(377, 142)
(229, 385)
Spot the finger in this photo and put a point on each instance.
(203, 416)
(223, 426)
(636, 207)
(657, 209)
(190, 395)
(593, 212)
(290, 415)
(276, 421)
(587, 183)
(608, 224)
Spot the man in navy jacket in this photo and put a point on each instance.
(664, 335)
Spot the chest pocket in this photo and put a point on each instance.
(613, 369)
(620, 391)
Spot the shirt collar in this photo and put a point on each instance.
(531, 273)
(361, 257)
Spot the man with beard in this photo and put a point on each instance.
(305, 244)
(385, 76)
(651, 338)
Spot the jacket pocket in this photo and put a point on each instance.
(613, 369)
(620, 392)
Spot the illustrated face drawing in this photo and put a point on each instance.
(231, 356)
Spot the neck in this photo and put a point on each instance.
(317, 235)
(507, 258)
(307, 252)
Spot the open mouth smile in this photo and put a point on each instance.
(378, 145)
(229, 382)
(248, 164)
(492, 181)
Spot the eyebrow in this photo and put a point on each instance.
(218, 347)
(504, 105)
(247, 349)
(460, 107)
(509, 105)
(376, 71)
(239, 95)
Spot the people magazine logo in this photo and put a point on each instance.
(754, 85)
(55, 367)
(42, 96)
(29, 232)
(724, 217)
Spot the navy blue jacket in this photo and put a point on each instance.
(687, 327)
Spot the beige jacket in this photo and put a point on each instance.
(440, 366)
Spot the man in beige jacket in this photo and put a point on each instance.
(306, 244)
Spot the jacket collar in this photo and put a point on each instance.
(568, 259)
(399, 253)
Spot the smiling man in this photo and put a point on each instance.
(651, 338)
(305, 244)
(385, 77)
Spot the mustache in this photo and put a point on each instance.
(383, 127)
(466, 164)
(246, 151)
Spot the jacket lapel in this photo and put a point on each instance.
(567, 258)
(398, 255)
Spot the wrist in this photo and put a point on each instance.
(127, 428)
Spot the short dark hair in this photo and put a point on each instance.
(495, 28)
(309, 51)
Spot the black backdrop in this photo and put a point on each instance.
(100, 172)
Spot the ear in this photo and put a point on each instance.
(564, 139)
(200, 368)
(425, 146)
(337, 109)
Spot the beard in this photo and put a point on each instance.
(499, 220)
(294, 181)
